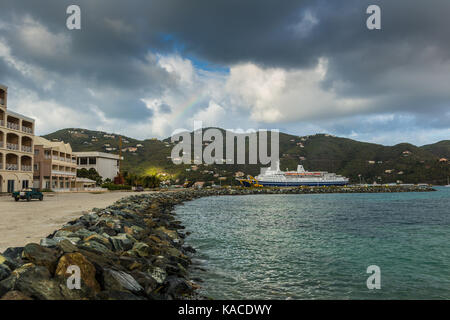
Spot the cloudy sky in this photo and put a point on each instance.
(146, 68)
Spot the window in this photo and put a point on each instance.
(36, 152)
(92, 160)
(25, 184)
(83, 161)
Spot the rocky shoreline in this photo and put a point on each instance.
(133, 249)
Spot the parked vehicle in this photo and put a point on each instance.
(28, 194)
(139, 188)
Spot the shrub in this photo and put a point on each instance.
(112, 186)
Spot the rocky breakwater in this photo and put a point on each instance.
(133, 249)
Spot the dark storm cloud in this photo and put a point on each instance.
(402, 68)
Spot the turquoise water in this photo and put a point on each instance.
(319, 246)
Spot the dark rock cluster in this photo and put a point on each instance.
(133, 249)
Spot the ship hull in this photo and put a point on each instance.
(301, 183)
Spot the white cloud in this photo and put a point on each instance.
(211, 116)
(40, 41)
(279, 95)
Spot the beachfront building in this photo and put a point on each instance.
(16, 147)
(106, 164)
(55, 165)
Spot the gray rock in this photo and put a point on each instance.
(4, 271)
(119, 280)
(122, 242)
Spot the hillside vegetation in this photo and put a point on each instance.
(360, 161)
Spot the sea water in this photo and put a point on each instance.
(319, 246)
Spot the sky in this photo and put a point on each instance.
(147, 68)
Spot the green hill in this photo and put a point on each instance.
(383, 164)
(440, 149)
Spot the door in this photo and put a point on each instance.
(11, 186)
(25, 184)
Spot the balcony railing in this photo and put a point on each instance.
(27, 129)
(12, 167)
(64, 173)
(12, 146)
(12, 125)
(27, 149)
(27, 168)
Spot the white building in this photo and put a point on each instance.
(106, 164)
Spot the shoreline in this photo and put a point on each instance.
(133, 249)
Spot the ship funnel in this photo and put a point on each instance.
(300, 168)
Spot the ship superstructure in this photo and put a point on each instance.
(274, 177)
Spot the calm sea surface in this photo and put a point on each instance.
(319, 246)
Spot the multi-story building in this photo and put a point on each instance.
(106, 164)
(55, 165)
(16, 147)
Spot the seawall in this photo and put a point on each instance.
(133, 249)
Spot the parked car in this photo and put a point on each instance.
(139, 188)
(28, 194)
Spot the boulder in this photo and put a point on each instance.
(94, 246)
(100, 239)
(141, 249)
(122, 242)
(41, 256)
(4, 271)
(120, 281)
(15, 295)
(67, 246)
(87, 269)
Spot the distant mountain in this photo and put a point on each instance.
(440, 149)
(383, 164)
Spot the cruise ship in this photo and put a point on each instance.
(270, 177)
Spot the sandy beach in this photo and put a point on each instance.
(24, 222)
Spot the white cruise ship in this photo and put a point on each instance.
(276, 178)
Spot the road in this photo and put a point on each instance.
(24, 222)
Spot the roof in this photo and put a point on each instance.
(12, 113)
(85, 180)
(97, 154)
(58, 145)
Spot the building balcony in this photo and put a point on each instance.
(11, 125)
(12, 167)
(27, 149)
(2, 123)
(2, 101)
(12, 146)
(27, 168)
(27, 130)
(1, 166)
(2, 144)
(73, 174)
